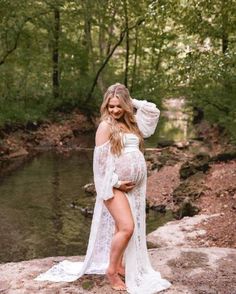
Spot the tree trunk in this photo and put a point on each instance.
(225, 21)
(111, 31)
(127, 45)
(159, 57)
(55, 54)
(135, 61)
(87, 40)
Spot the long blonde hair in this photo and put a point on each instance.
(122, 93)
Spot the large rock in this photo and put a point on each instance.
(178, 232)
(159, 158)
(224, 156)
(191, 188)
(18, 153)
(186, 208)
(90, 189)
(200, 162)
(190, 270)
(165, 143)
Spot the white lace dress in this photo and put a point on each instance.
(130, 165)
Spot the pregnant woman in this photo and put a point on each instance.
(117, 242)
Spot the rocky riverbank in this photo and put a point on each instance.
(66, 132)
(175, 254)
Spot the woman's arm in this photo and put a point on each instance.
(102, 137)
(102, 134)
(147, 116)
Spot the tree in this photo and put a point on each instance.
(61, 54)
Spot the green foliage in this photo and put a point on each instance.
(213, 88)
(15, 112)
(180, 48)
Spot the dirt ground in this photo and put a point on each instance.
(218, 196)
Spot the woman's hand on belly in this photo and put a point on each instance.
(126, 186)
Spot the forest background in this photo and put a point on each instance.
(58, 55)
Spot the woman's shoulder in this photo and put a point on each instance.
(104, 126)
(103, 132)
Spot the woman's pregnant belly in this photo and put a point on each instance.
(131, 166)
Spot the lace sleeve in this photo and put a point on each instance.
(147, 116)
(104, 171)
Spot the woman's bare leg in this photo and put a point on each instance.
(120, 210)
(121, 268)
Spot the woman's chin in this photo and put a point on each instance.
(117, 117)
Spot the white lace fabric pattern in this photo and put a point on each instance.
(140, 277)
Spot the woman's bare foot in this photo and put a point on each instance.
(121, 271)
(115, 281)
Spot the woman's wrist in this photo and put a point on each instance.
(138, 103)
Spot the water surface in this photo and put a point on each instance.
(37, 215)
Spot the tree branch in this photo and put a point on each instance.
(122, 35)
(18, 33)
(221, 108)
(9, 51)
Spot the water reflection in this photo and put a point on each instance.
(36, 217)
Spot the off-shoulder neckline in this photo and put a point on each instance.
(102, 145)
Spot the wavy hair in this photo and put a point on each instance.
(122, 93)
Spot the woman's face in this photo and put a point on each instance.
(115, 109)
